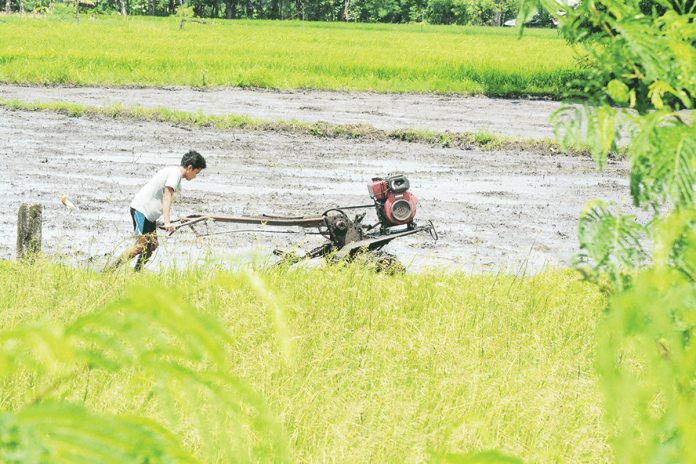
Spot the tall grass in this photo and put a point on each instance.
(290, 54)
(357, 366)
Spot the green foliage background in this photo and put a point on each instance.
(462, 12)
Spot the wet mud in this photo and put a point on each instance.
(455, 113)
(492, 209)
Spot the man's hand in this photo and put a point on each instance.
(169, 227)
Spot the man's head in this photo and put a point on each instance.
(192, 164)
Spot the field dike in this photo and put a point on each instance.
(461, 140)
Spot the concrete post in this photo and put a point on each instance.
(29, 229)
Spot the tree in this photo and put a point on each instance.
(641, 82)
(230, 9)
(644, 64)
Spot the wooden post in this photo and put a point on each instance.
(29, 230)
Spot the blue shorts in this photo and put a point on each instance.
(141, 224)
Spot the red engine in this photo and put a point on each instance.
(395, 205)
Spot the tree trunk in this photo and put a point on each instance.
(152, 7)
(8, 8)
(77, 10)
(21, 7)
(346, 10)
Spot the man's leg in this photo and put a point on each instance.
(145, 242)
(151, 245)
(141, 244)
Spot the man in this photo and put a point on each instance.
(155, 200)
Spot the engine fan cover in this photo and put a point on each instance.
(400, 208)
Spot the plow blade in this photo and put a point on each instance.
(375, 243)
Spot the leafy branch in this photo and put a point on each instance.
(642, 82)
(184, 353)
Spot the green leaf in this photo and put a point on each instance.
(484, 457)
(647, 368)
(663, 167)
(34, 346)
(609, 244)
(618, 91)
(69, 432)
(646, 354)
(181, 353)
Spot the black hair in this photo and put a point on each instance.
(193, 158)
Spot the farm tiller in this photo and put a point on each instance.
(394, 204)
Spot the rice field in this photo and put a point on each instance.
(352, 365)
(355, 366)
(284, 54)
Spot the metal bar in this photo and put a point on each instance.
(356, 207)
(269, 220)
(260, 231)
(179, 223)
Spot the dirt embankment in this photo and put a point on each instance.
(455, 113)
(491, 208)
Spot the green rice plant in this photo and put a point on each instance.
(289, 54)
(485, 457)
(483, 137)
(355, 366)
(176, 367)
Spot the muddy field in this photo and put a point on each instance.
(514, 118)
(491, 208)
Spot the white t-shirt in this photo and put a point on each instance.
(149, 199)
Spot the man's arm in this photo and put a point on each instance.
(166, 208)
